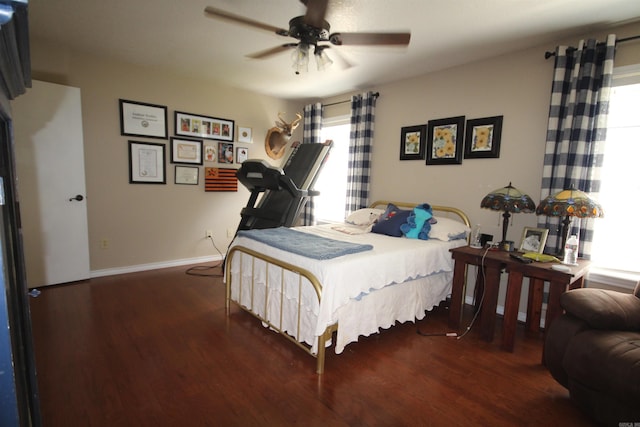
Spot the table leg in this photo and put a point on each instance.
(553, 305)
(458, 288)
(511, 305)
(534, 306)
(490, 302)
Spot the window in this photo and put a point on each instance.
(616, 234)
(332, 181)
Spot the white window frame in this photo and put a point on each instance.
(622, 76)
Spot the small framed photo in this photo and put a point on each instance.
(444, 141)
(210, 152)
(187, 175)
(140, 119)
(412, 142)
(187, 151)
(244, 135)
(197, 126)
(242, 154)
(225, 152)
(482, 139)
(146, 163)
(533, 239)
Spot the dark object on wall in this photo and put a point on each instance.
(220, 179)
(593, 350)
(482, 139)
(445, 138)
(412, 142)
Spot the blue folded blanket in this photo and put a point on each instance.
(305, 244)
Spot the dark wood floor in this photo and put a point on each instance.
(157, 349)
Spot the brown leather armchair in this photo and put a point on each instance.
(593, 349)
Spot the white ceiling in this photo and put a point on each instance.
(175, 34)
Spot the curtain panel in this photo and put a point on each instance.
(360, 146)
(312, 127)
(577, 129)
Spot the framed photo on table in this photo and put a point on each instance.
(533, 239)
(197, 126)
(187, 151)
(140, 119)
(146, 163)
(445, 141)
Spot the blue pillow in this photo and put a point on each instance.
(390, 222)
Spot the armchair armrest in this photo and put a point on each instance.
(603, 309)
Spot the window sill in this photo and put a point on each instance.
(615, 278)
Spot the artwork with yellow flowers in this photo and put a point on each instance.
(444, 141)
(482, 139)
(412, 142)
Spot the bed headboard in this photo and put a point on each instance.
(436, 208)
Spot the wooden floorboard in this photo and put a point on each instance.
(156, 348)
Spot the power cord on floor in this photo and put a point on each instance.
(475, 316)
(200, 270)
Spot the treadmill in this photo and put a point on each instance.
(284, 191)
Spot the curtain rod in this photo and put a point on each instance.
(377, 94)
(548, 54)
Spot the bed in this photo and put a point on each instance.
(367, 278)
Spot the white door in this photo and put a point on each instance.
(47, 123)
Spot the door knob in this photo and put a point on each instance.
(79, 198)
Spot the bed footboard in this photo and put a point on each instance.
(258, 304)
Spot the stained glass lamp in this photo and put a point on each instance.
(567, 204)
(509, 200)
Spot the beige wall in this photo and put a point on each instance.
(153, 224)
(147, 224)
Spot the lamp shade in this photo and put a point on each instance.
(567, 204)
(570, 202)
(508, 199)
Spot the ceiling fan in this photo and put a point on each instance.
(311, 30)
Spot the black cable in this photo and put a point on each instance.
(191, 271)
(475, 316)
(484, 289)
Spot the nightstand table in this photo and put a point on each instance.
(494, 261)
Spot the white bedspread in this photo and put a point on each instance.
(344, 279)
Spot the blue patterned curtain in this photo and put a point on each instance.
(577, 130)
(311, 135)
(363, 109)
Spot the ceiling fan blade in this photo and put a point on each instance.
(391, 39)
(316, 11)
(212, 12)
(272, 51)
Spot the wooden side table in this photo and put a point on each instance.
(538, 273)
(494, 262)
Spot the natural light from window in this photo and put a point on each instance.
(332, 181)
(616, 235)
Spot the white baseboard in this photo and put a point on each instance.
(153, 266)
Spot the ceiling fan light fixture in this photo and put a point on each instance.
(322, 59)
(300, 58)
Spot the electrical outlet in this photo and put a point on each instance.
(230, 232)
(104, 244)
(208, 234)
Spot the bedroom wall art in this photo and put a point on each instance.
(445, 141)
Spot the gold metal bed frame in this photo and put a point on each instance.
(302, 273)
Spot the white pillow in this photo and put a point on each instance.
(366, 216)
(448, 229)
